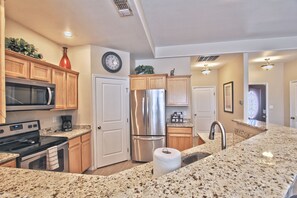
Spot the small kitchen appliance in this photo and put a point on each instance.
(177, 117)
(66, 123)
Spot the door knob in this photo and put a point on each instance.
(99, 127)
(292, 118)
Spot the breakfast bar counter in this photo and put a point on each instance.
(263, 165)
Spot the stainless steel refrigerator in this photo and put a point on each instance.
(148, 123)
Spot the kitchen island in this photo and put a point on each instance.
(262, 166)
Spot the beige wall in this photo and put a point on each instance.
(198, 79)
(163, 66)
(96, 65)
(80, 58)
(51, 51)
(290, 74)
(232, 71)
(275, 80)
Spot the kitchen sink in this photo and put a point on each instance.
(194, 157)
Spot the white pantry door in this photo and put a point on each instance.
(112, 100)
(204, 105)
(293, 104)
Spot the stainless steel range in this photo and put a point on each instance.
(24, 139)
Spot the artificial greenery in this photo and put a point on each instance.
(21, 46)
(144, 69)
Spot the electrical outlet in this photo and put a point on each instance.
(55, 120)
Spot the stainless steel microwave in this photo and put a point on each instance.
(22, 94)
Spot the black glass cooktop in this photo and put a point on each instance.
(31, 143)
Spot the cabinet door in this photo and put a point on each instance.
(40, 72)
(2, 66)
(180, 141)
(157, 82)
(138, 83)
(86, 151)
(59, 79)
(75, 155)
(71, 99)
(11, 164)
(178, 92)
(180, 138)
(15, 67)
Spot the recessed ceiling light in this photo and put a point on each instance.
(68, 34)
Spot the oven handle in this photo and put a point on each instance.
(41, 152)
(50, 96)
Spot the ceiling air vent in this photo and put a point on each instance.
(207, 58)
(123, 8)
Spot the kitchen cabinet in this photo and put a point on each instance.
(80, 153)
(40, 72)
(148, 81)
(66, 81)
(71, 90)
(178, 91)
(75, 155)
(15, 67)
(180, 138)
(10, 164)
(59, 79)
(2, 64)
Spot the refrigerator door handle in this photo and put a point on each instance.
(143, 110)
(147, 114)
(149, 139)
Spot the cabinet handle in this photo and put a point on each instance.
(99, 127)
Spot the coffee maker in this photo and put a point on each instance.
(66, 123)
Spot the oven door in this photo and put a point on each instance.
(37, 161)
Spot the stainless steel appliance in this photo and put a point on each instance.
(22, 94)
(148, 123)
(24, 139)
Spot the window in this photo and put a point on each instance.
(253, 105)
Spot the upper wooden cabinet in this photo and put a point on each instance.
(66, 81)
(148, 81)
(178, 91)
(15, 67)
(71, 96)
(40, 72)
(59, 78)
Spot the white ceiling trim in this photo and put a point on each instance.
(143, 20)
(255, 45)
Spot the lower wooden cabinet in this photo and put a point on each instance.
(80, 153)
(10, 164)
(180, 138)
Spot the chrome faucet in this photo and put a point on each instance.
(212, 132)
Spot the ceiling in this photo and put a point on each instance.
(159, 23)
(274, 56)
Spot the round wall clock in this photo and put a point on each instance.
(111, 62)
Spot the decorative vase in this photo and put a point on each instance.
(65, 62)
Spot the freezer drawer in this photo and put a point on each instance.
(144, 147)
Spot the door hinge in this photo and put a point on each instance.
(127, 120)
(214, 93)
(127, 89)
(214, 112)
(128, 150)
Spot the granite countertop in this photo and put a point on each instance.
(186, 123)
(253, 123)
(69, 134)
(239, 171)
(6, 157)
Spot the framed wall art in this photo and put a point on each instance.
(228, 97)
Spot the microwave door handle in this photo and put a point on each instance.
(50, 96)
